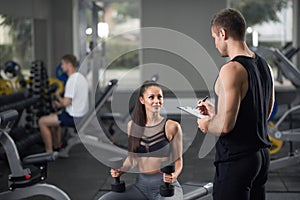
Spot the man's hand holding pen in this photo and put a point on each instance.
(205, 108)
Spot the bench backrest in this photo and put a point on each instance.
(99, 102)
(289, 70)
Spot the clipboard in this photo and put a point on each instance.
(191, 111)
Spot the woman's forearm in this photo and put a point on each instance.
(178, 167)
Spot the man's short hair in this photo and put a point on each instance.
(232, 21)
(70, 59)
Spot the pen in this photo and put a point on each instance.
(204, 99)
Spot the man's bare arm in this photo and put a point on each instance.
(230, 90)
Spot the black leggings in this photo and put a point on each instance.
(242, 179)
(145, 188)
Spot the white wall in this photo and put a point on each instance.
(191, 18)
(25, 8)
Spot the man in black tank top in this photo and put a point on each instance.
(244, 101)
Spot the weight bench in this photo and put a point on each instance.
(194, 190)
(86, 123)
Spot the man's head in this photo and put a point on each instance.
(228, 24)
(68, 63)
(232, 21)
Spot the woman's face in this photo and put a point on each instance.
(152, 99)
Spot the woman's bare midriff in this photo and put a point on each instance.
(151, 165)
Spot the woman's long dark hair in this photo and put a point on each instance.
(139, 118)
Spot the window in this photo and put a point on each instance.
(16, 40)
(123, 19)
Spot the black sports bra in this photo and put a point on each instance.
(154, 142)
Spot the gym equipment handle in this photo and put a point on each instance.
(8, 117)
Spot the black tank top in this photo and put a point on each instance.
(250, 132)
(154, 142)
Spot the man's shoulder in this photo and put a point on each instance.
(232, 66)
(233, 71)
(77, 79)
(77, 76)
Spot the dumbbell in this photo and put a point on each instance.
(167, 190)
(117, 185)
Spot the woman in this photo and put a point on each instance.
(153, 141)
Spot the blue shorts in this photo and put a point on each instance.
(65, 119)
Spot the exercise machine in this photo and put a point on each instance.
(81, 133)
(23, 183)
(293, 134)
